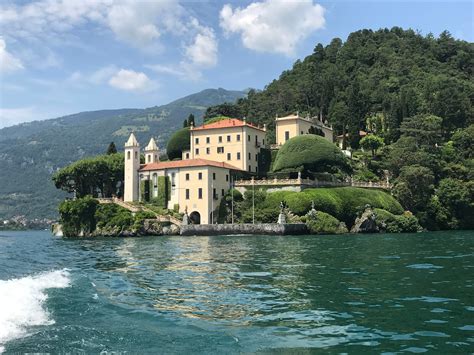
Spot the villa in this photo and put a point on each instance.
(218, 151)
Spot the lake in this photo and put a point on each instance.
(237, 294)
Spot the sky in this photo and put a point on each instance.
(59, 57)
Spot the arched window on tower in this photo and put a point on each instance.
(128, 155)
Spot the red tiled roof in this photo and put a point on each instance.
(361, 134)
(226, 123)
(186, 163)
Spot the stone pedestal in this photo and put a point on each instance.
(281, 218)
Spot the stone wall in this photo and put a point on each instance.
(229, 229)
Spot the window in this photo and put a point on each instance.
(200, 193)
(200, 176)
(238, 155)
(263, 141)
(228, 156)
(220, 150)
(136, 155)
(220, 139)
(173, 178)
(250, 156)
(197, 151)
(187, 155)
(256, 157)
(227, 177)
(155, 185)
(250, 168)
(196, 140)
(187, 177)
(208, 150)
(149, 158)
(248, 138)
(208, 140)
(214, 193)
(238, 138)
(156, 157)
(128, 155)
(222, 192)
(287, 135)
(256, 169)
(187, 194)
(228, 138)
(213, 176)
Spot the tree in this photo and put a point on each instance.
(103, 174)
(178, 143)
(111, 149)
(185, 123)
(458, 198)
(425, 129)
(414, 187)
(191, 120)
(371, 142)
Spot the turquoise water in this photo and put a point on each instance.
(337, 294)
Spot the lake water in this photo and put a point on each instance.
(240, 294)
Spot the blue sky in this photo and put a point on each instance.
(60, 57)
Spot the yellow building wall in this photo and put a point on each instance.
(205, 144)
(204, 205)
(283, 126)
(297, 127)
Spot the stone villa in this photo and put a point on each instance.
(197, 183)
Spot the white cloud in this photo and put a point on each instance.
(8, 63)
(202, 52)
(130, 80)
(275, 26)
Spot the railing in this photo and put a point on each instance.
(309, 182)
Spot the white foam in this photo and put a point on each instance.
(22, 301)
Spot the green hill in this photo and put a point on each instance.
(31, 152)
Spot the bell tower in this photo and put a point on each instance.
(152, 153)
(132, 164)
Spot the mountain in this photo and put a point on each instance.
(31, 152)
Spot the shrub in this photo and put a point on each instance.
(310, 152)
(179, 142)
(391, 223)
(323, 223)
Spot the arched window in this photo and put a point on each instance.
(136, 155)
(128, 155)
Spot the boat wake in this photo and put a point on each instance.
(22, 303)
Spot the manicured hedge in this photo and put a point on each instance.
(178, 143)
(341, 202)
(310, 152)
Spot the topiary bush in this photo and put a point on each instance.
(179, 142)
(310, 152)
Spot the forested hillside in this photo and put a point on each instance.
(391, 73)
(31, 152)
(414, 95)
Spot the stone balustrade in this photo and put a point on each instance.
(311, 183)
